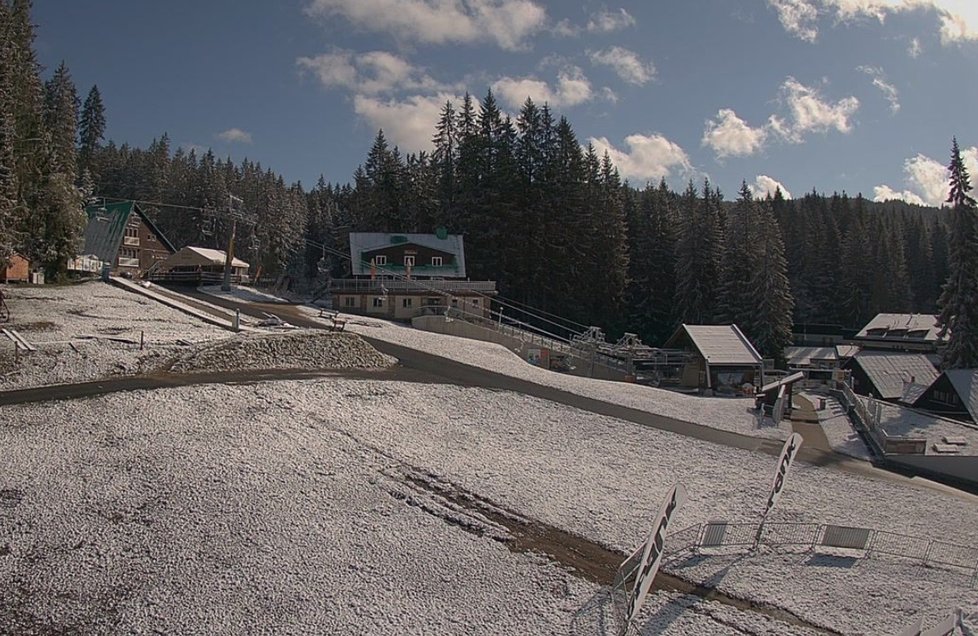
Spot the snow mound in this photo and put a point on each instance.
(306, 350)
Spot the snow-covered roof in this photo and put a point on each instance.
(890, 371)
(965, 382)
(803, 356)
(847, 350)
(918, 327)
(722, 344)
(215, 257)
(361, 242)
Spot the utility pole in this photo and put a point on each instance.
(229, 256)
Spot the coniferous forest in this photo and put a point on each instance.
(547, 218)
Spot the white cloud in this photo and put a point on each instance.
(407, 123)
(235, 136)
(879, 81)
(608, 21)
(508, 23)
(626, 64)
(372, 73)
(958, 18)
(572, 88)
(648, 158)
(729, 135)
(927, 179)
(915, 49)
(883, 193)
(566, 29)
(765, 185)
(809, 112)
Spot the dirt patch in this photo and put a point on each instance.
(308, 350)
(41, 325)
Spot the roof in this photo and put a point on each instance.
(721, 344)
(909, 327)
(214, 257)
(803, 356)
(965, 382)
(847, 350)
(361, 242)
(107, 225)
(890, 371)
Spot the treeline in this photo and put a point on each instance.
(549, 220)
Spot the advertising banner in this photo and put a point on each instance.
(788, 454)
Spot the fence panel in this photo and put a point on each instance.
(899, 545)
(952, 554)
(684, 539)
(790, 533)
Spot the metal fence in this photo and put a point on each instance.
(811, 536)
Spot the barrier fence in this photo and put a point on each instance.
(872, 543)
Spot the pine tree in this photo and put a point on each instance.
(8, 169)
(698, 249)
(91, 129)
(770, 323)
(959, 297)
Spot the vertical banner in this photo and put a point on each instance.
(788, 454)
(652, 554)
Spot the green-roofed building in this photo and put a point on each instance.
(121, 235)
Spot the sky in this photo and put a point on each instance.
(862, 96)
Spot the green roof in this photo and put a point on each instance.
(107, 225)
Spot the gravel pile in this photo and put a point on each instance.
(306, 350)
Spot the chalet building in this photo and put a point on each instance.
(199, 265)
(892, 377)
(953, 394)
(124, 239)
(817, 363)
(721, 358)
(819, 335)
(400, 276)
(18, 270)
(901, 332)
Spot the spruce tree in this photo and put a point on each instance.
(91, 129)
(959, 298)
(8, 169)
(769, 326)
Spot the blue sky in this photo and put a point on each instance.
(855, 95)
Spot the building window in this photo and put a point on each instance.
(475, 302)
(378, 302)
(408, 261)
(349, 301)
(407, 302)
(436, 261)
(380, 259)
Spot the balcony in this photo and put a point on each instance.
(128, 262)
(131, 240)
(378, 286)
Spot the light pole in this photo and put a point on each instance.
(229, 256)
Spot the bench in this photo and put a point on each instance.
(339, 324)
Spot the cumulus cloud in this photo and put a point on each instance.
(915, 49)
(608, 21)
(879, 81)
(648, 157)
(235, 136)
(958, 18)
(927, 179)
(808, 112)
(371, 73)
(729, 135)
(572, 88)
(764, 185)
(408, 123)
(565, 28)
(507, 23)
(626, 64)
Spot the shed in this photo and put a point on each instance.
(723, 358)
(18, 270)
(894, 377)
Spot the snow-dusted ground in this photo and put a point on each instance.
(196, 504)
(247, 294)
(86, 316)
(898, 421)
(838, 427)
(729, 414)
